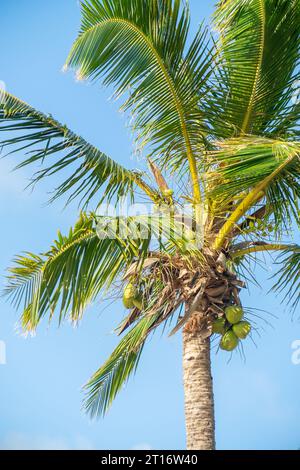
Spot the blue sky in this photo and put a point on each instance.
(257, 401)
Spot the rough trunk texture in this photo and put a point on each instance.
(198, 389)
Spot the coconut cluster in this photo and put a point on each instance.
(205, 293)
(231, 327)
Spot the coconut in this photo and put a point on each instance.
(229, 341)
(242, 329)
(168, 192)
(138, 301)
(189, 235)
(129, 295)
(219, 326)
(234, 314)
(128, 302)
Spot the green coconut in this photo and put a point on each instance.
(129, 296)
(219, 326)
(229, 341)
(189, 235)
(138, 301)
(234, 314)
(168, 192)
(128, 302)
(242, 329)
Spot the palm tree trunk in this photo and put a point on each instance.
(198, 390)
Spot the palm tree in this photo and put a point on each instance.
(219, 128)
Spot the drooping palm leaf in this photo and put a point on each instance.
(104, 385)
(93, 174)
(69, 276)
(91, 257)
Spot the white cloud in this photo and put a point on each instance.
(21, 441)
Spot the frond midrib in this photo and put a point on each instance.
(247, 117)
(178, 105)
(42, 268)
(72, 139)
(262, 248)
(256, 194)
(90, 234)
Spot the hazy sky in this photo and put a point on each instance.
(257, 401)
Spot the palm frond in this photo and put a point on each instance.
(104, 385)
(288, 126)
(252, 169)
(93, 255)
(288, 276)
(260, 43)
(139, 47)
(243, 249)
(93, 174)
(69, 276)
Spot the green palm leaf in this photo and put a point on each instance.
(288, 276)
(260, 43)
(269, 168)
(139, 47)
(69, 276)
(104, 385)
(93, 172)
(90, 258)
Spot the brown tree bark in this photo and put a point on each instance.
(198, 390)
